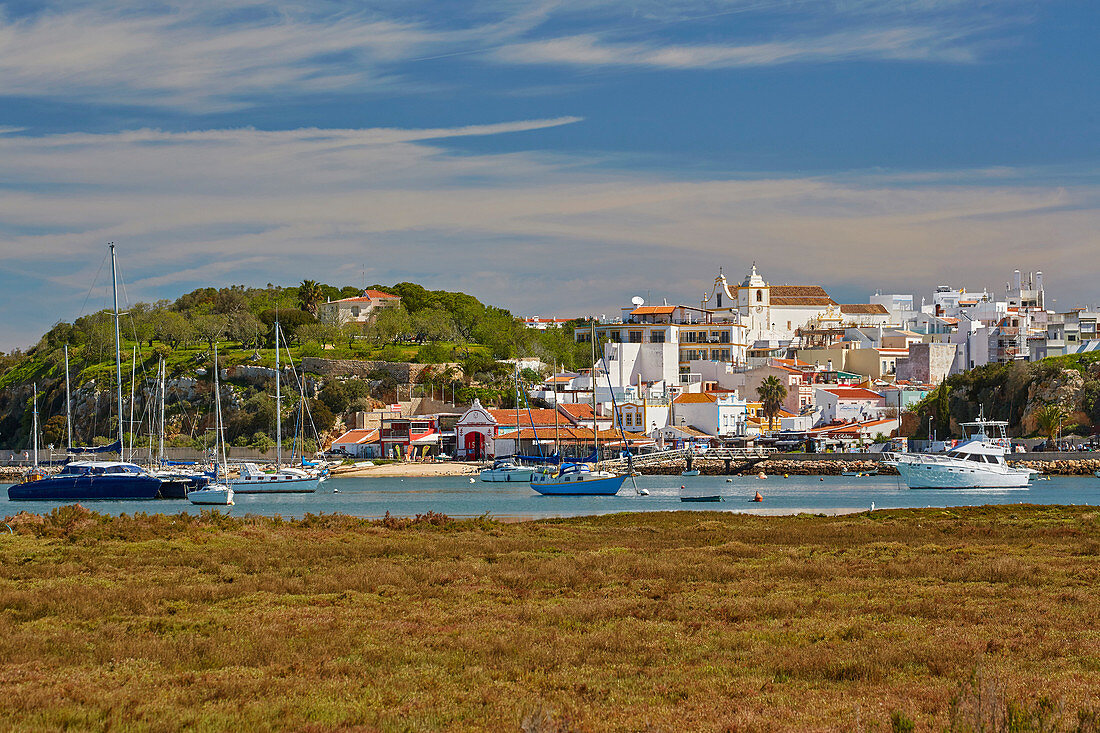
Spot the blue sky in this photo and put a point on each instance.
(553, 157)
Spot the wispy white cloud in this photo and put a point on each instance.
(894, 44)
(532, 231)
(206, 57)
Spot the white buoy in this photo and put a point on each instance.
(471, 481)
(643, 492)
(729, 481)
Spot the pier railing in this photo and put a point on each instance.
(682, 454)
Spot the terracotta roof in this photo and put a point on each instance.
(782, 300)
(646, 310)
(357, 437)
(541, 418)
(380, 295)
(576, 434)
(580, 411)
(800, 295)
(864, 309)
(690, 398)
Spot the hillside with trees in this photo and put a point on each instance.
(429, 327)
(1055, 396)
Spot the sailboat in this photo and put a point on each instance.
(215, 493)
(582, 479)
(177, 483)
(89, 480)
(254, 480)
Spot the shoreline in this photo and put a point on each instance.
(802, 465)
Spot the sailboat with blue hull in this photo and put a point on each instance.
(88, 480)
(578, 479)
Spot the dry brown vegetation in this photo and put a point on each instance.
(972, 619)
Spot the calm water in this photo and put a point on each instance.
(457, 497)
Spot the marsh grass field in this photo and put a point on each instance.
(971, 619)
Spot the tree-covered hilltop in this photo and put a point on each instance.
(429, 327)
(1057, 395)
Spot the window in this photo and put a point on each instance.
(355, 311)
(724, 337)
(656, 337)
(759, 296)
(629, 419)
(719, 300)
(635, 337)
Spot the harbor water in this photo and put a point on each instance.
(457, 497)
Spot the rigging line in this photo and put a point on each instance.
(94, 281)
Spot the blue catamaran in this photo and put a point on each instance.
(90, 480)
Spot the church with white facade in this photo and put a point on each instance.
(769, 312)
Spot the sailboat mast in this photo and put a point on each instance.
(219, 444)
(595, 427)
(160, 451)
(554, 384)
(35, 425)
(133, 381)
(278, 406)
(68, 403)
(118, 346)
(515, 378)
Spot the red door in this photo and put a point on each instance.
(475, 446)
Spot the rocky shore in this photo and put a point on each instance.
(826, 466)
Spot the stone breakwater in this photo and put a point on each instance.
(835, 467)
(772, 467)
(1066, 467)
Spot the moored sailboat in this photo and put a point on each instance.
(283, 480)
(92, 480)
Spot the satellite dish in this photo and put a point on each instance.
(637, 300)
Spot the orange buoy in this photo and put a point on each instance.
(758, 497)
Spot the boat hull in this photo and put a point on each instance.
(283, 486)
(216, 495)
(580, 486)
(521, 476)
(87, 488)
(716, 497)
(934, 476)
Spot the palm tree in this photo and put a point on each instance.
(771, 393)
(1049, 418)
(309, 295)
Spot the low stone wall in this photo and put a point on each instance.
(835, 464)
(1062, 467)
(819, 466)
(403, 372)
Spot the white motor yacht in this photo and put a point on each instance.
(977, 463)
(505, 469)
(253, 480)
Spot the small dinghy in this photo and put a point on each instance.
(692, 472)
(702, 497)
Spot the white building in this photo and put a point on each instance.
(360, 309)
(847, 404)
(723, 415)
(768, 312)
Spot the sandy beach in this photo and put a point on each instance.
(409, 468)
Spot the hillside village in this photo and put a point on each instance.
(401, 371)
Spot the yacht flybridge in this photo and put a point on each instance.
(977, 463)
